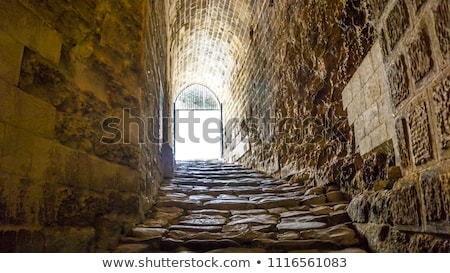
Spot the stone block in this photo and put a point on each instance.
(401, 129)
(381, 185)
(19, 200)
(397, 22)
(358, 209)
(30, 30)
(103, 175)
(41, 162)
(10, 58)
(63, 168)
(359, 102)
(89, 79)
(84, 171)
(30, 241)
(69, 240)
(26, 112)
(17, 152)
(128, 179)
(441, 101)
(384, 109)
(365, 70)
(360, 130)
(35, 115)
(435, 196)
(352, 113)
(379, 135)
(347, 94)
(372, 90)
(394, 173)
(420, 133)
(420, 56)
(8, 103)
(442, 25)
(371, 119)
(9, 241)
(365, 145)
(376, 54)
(405, 205)
(398, 81)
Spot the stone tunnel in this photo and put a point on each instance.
(335, 125)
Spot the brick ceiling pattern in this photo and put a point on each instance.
(208, 41)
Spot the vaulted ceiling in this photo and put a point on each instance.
(208, 41)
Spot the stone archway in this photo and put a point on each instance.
(198, 124)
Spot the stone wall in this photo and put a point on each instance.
(64, 68)
(288, 92)
(404, 178)
(353, 93)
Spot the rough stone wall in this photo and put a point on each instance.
(64, 68)
(353, 93)
(288, 92)
(404, 178)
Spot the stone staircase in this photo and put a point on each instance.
(211, 206)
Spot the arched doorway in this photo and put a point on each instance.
(198, 124)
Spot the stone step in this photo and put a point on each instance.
(211, 206)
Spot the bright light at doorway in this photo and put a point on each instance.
(199, 140)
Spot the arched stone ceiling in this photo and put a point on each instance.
(208, 39)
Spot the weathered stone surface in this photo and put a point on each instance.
(181, 203)
(149, 233)
(132, 248)
(238, 250)
(321, 210)
(224, 213)
(298, 224)
(358, 209)
(420, 133)
(274, 202)
(397, 22)
(206, 245)
(252, 211)
(401, 129)
(10, 58)
(240, 228)
(315, 191)
(441, 99)
(442, 26)
(286, 245)
(420, 56)
(294, 213)
(229, 204)
(314, 199)
(201, 197)
(196, 228)
(336, 196)
(435, 197)
(381, 185)
(202, 220)
(277, 210)
(203, 235)
(398, 80)
(340, 207)
(263, 219)
(289, 235)
(154, 223)
(341, 235)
